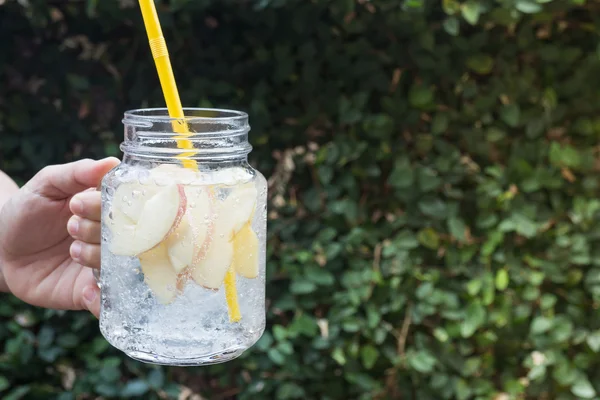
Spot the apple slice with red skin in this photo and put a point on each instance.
(210, 271)
(215, 257)
(194, 230)
(159, 217)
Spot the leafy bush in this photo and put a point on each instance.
(434, 189)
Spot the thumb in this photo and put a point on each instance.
(63, 181)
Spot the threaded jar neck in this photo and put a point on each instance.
(211, 134)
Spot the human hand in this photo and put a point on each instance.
(41, 262)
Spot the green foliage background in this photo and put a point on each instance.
(434, 201)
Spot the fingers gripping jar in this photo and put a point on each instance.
(183, 240)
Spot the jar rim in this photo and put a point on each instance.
(161, 114)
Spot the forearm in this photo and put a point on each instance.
(7, 189)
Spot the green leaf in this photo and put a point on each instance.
(420, 96)
(45, 337)
(511, 115)
(279, 332)
(286, 348)
(441, 334)
(474, 318)
(428, 179)
(406, 240)
(50, 354)
(474, 286)
(156, 379)
(463, 390)
(537, 373)
(440, 123)
(547, 301)
(276, 356)
(90, 8)
(320, 276)
(303, 324)
(582, 388)
(4, 383)
(523, 225)
(265, 342)
(434, 208)
(452, 26)
(78, 82)
(17, 393)
(563, 330)
(338, 356)
(136, 387)
(564, 373)
(402, 175)
(457, 229)
(422, 361)
(481, 63)
(424, 291)
(106, 389)
(471, 11)
(492, 243)
(290, 390)
(488, 287)
(325, 174)
(99, 345)
(540, 325)
(110, 373)
(302, 287)
(593, 340)
(451, 6)
(68, 340)
(351, 326)
(369, 355)
(429, 238)
(502, 279)
(564, 155)
(528, 6)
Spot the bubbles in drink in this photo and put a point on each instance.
(168, 244)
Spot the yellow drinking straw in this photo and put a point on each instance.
(158, 46)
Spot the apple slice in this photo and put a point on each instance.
(171, 173)
(245, 252)
(236, 210)
(189, 239)
(159, 274)
(182, 279)
(215, 257)
(180, 245)
(122, 228)
(159, 217)
(230, 176)
(130, 198)
(210, 271)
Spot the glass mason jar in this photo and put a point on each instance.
(183, 240)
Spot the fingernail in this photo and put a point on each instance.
(75, 250)
(73, 226)
(76, 205)
(89, 294)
